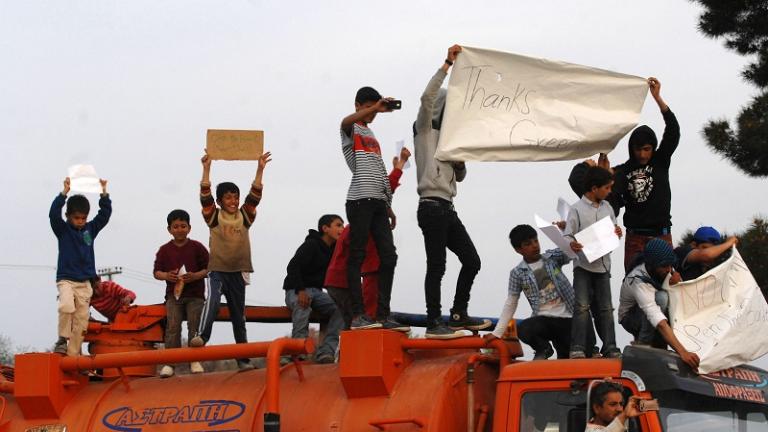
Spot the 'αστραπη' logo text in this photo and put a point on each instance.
(210, 412)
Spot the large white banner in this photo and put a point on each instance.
(722, 316)
(508, 107)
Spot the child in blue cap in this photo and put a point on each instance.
(696, 258)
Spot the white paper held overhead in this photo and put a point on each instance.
(83, 179)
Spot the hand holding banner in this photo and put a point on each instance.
(508, 107)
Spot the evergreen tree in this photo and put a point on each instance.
(744, 26)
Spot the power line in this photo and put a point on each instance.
(39, 267)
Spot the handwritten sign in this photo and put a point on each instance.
(234, 144)
(722, 316)
(508, 107)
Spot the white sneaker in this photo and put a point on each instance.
(196, 368)
(166, 371)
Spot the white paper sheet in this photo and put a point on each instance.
(508, 107)
(553, 233)
(563, 208)
(722, 316)
(398, 147)
(598, 239)
(83, 179)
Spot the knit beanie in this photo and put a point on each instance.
(642, 135)
(658, 253)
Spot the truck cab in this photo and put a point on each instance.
(552, 395)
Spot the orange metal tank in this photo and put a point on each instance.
(384, 381)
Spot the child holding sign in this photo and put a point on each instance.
(230, 261)
(76, 266)
(183, 264)
(592, 280)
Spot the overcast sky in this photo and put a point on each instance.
(132, 87)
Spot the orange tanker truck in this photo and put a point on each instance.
(383, 381)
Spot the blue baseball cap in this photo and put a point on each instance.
(707, 234)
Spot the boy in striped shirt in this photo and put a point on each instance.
(369, 211)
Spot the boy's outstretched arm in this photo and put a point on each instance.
(105, 209)
(671, 137)
(429, 97)
(357, 116)
(711, 253)
(206, 198)
(254, 194)
(54, 214)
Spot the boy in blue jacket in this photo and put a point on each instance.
(76, 264)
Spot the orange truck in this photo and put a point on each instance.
(383, 381)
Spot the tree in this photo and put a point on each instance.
(753, 247)
(744, 26)
(6, 351)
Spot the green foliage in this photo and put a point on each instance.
(744, 26)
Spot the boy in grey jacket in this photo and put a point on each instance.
(592, 281)
(437, 217)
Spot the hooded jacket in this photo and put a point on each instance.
(308, 266)
(643, 190)
(436, 179)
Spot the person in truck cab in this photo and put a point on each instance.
(643, 303)
(610, 414)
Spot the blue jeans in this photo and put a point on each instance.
(321, 303)
(592, 288)
(637, 324)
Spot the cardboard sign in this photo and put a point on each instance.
(234, 144)
(508, 107)
(722, 316)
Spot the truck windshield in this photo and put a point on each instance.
(686, 412)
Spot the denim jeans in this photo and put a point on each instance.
(369, 216)
(443, 229)
(637, 324)
(592, 288)
(321, 303)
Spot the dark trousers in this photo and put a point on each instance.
(539, 331)
(443, 229)
(369, 216)
(232, 285)
(176, 311)
(592, 289)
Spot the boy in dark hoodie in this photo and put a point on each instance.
(303, 286)
(642, 182)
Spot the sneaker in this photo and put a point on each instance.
(543, 355)
(390, 324)
(438, 330)
(245, 365)
(577, 355)
(60, 347)
(166, 371)
(196, 368)
(363, 322)
(196, 342)
(613, 353)
(460, 320)
(325, 358)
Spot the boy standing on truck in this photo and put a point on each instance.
(643, 303)
(440, 224)
(76, 265)
(183, 264)
(336, 276)
(303, 286)
(230, 251)
(540, 277)
(368, 208)
(642, 182)
(592, 281)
